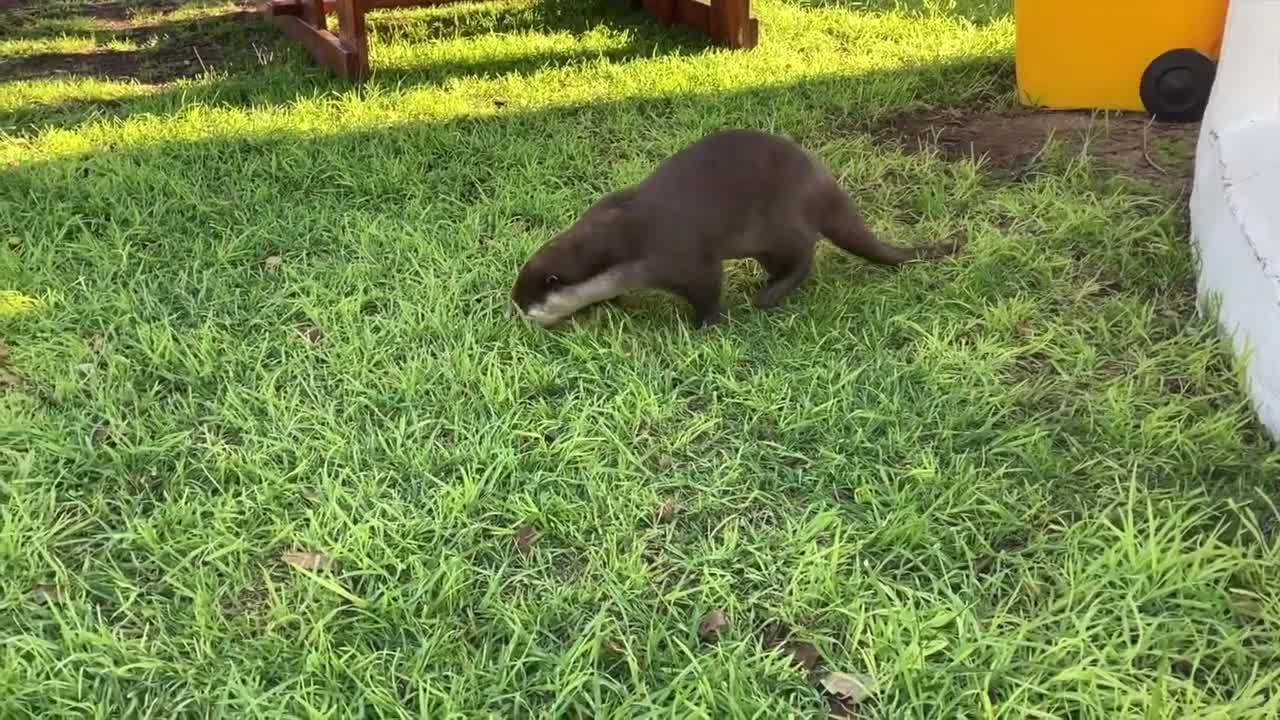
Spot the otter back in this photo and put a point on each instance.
(732, 194)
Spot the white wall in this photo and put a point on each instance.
(1235, 203)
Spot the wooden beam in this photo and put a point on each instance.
(324, 46)
(663, 10)
(313, 14)
(693, 13)
(327, 48)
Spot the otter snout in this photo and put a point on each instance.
(554, 305)
(536, 313)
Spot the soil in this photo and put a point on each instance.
(107, 64)
(1010, 142)
(116, 10)
(120, 10)
(181, 50)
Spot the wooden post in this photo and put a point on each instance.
(355, 36)
(732, 24)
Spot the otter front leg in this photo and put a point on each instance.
(705, 301)
(700, 286)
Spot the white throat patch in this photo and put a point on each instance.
(563, 302)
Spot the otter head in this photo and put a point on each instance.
(581, 266)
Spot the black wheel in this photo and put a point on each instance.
(1176, 85)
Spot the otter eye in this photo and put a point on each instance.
(552, 281)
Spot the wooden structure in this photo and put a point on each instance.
(345, 49)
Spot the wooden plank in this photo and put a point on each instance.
(281, 8)
(663, 10)
(313, 13)
(694, 13)
(324, 46)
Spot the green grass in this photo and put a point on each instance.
(1020, 483)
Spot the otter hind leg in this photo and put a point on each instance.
(787, 268)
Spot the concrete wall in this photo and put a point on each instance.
(1235, 203)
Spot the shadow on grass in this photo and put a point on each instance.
(102, 178)
(165, 51)
(195, 203)
(257, 66)
(975, 11)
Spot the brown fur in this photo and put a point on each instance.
(732, 194)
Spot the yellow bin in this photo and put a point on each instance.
(1152, 55)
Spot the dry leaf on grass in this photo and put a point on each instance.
(840, 709)
(773, 634)
(982, 564)
(272, 263)
(102, 434)
(44, 595)
(776, 636)
(4, 353)
(802, 653)
(313, 335)
(525, 539)
(711, 625)
(1248, 604)
(8, 380)
(668, 510)
(850, 688)
(307, 560)
(145, 480)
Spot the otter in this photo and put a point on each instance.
(732, 194)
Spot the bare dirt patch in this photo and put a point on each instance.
(120, 10)
(106, 64)
(1010, 142)
(114, 10)
(118, 15)
(152, 66)
(173, 49)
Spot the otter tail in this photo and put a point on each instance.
(843, 225)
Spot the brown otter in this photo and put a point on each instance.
(732, 194)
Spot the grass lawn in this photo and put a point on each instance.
(273, 445)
